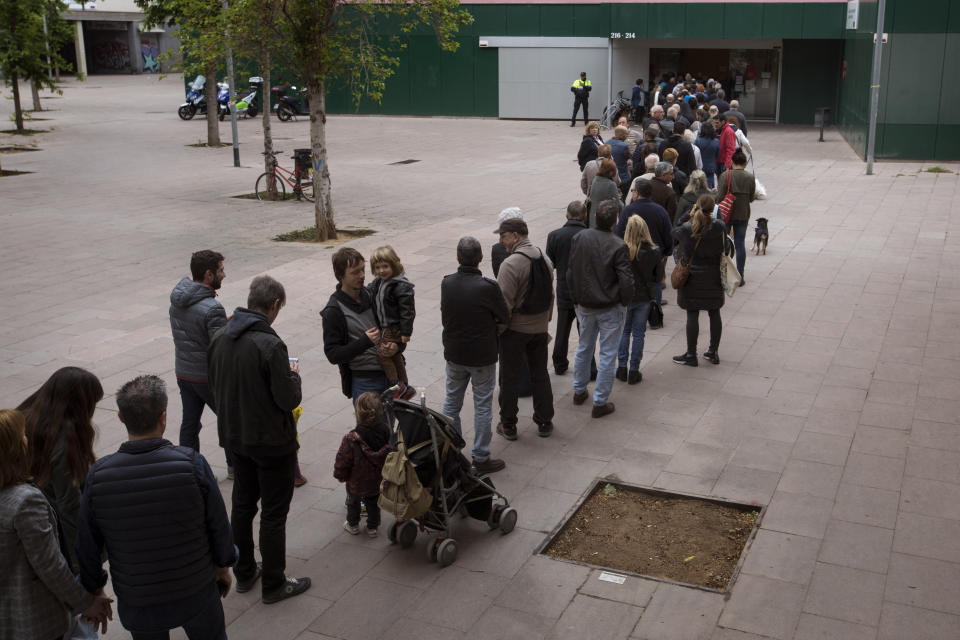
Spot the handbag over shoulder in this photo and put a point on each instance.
(726, 205)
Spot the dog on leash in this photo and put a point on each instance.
(760, 236)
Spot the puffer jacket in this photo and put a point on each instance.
(157, 510)
(393, 304)
(647, 268)
(599, 275)
(255, 390)
(359, 465)
(703, 290)
(195, 315)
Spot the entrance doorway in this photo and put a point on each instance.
(751, 76)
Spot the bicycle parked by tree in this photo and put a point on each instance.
(274, 181)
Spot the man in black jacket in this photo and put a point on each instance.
(558, 250)
(658, 222)
(686, 158)
(350, 333)
(581, 96)
(256, 388)
(156, 510)
(471, 308)
(600, 282)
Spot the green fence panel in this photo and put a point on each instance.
(824, 20)
(523, 20)
(703, 20)
(629, 17)
(591, 20)
(742, 20)
(782, 20)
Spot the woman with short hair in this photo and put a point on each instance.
(588, 146)
(603, 188)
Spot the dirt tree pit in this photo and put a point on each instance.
(656, 534)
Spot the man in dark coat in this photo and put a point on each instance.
(686, 159)
(156, 510)
(558, 250)
(720, 103)
(257, 388)
(663, 193)
(581, 96)
(734, 110)
(471, 308)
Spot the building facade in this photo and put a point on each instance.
(783, 60)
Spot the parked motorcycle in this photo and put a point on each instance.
(196, 102)
(250, 104)
(289, 106)
(223, 100)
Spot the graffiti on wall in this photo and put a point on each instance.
(150, 54)
(112, 55)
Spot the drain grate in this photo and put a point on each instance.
(407, 161)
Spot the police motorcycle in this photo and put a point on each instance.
(249, 105)
(196, 102)
(223, 100)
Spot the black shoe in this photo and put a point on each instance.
(711, 355)
(560, 370)
(689, 359)
(664, 302)
(508, 432)
(579, 398)
(544, 429)
(290, 587)
(245, 585)
(634, 377)
(490, 465)
(593, 376)
(622, 373)
(600, 410)
(573, 124)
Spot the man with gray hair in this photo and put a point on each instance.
(157, 512)
(257, 387)
(663, 193)
(734, 110)
(471, 308)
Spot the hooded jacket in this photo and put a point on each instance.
(359, 465)
(255, 390)
(195, 315)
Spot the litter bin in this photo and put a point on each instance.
(821, 118)
(302, 158)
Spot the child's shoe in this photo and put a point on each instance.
(300, 480)
(372, 533)
(352, 529)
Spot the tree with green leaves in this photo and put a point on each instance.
(201, 28)
(22, 49)
(337, 40)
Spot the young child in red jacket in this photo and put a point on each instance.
(360, 461)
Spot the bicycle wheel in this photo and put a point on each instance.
(263, 187)
(306, 190)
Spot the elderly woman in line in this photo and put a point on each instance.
(589, 145)
(603, 188)
(591, 168)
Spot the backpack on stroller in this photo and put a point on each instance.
(431, 448)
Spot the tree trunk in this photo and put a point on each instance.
(213, 110)
(35, 94)
(267, 133)
(56, 70)
(323, 207)
(17, 107)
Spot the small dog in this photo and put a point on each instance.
(760, 236)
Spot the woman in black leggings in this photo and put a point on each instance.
(701, 243)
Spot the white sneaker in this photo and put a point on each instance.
(352, 529)
(371, 532)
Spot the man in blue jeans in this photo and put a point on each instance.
(195, 315)
(471, 307)
(600, 281)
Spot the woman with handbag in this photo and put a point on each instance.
(646, 263)
(742, 184)
(701, 243)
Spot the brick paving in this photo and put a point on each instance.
(836, 403)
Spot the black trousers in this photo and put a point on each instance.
(268, 479)
(693, 329)
(513, 345)
(566, 316)
(577, 101)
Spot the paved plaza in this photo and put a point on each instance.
(836, 403)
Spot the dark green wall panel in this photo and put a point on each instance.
(665, 21)
(487, 98)
(591, 20)
(906, 141)
(742, 20)
(489, 19)
(919, 16)
(703, 20)
(948, 142)
(824, 20)
(522, 20)
(556, 20)
(810, 79)
(953, 22)
(782, 21)
(629, 17)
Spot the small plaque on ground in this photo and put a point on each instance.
(667, 536)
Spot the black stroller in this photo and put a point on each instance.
(453, 483)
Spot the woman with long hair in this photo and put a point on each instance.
(701, 243)
(709, 149)
(60, 431)
(647, 266)
(38, 587)
(691, 193)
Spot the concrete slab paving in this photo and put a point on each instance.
(836, 403)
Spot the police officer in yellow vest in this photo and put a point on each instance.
(581, 93)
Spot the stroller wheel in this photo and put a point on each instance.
(508, 520)
(447, 552)
(493, 520)
(407, 533)
(432, 550)
(392, 533)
